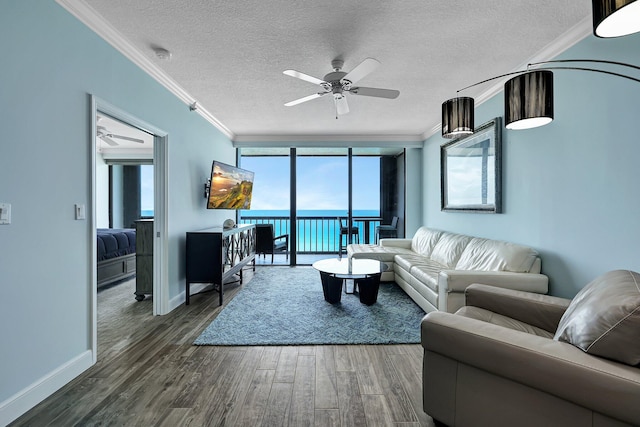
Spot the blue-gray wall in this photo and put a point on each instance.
(51, 64)
(570, 189)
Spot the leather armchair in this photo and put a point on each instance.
(495, 363)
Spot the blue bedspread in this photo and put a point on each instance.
(115, 242)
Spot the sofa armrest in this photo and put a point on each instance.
(396, 243)
(458, 280)
(542, 311)
(553, 367)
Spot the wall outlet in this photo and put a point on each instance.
(5, 213)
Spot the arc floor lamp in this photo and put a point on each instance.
(528, 101)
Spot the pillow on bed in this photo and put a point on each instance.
(604, 318)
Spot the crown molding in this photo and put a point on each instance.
(578, 32)
(88, 16)
(337, 140)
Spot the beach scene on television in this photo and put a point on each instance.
(231, 187)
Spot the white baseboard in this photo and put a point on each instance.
(21, 402)
(181, 297)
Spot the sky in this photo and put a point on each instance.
(322, 183)
(146, 188)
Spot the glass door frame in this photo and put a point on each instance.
(293, 153)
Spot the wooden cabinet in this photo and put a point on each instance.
(216, 254)
(144, 258)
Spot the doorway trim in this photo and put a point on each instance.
(160, 223)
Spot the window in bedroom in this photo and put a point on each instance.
(146, 191)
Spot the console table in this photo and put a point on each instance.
(215, 254)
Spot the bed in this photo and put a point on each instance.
(116, 254)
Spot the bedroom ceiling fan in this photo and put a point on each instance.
(339, 83)
(108, 137)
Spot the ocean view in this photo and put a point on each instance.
(306, 213)
(317, 230)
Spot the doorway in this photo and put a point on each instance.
(104, 135)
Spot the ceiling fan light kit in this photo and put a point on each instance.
(339, 83)
(528, 99)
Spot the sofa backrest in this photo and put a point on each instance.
(495, 255)
(449, 248)
(424, 241)
(474, 253)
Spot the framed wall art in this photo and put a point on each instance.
(471, 171)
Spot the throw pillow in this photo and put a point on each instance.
(604, 318)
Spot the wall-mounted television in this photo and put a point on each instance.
(230, 187)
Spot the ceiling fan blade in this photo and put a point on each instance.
(108, 140)
(378, 93)
(342, 107)
(128, 138)
(303, 76)
(305, 99)
(364, 68)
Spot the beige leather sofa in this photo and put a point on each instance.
(435, 267)
(511, 358)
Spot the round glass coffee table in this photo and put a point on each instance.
(365, 274)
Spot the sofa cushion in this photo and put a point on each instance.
(604, 318)
(427, 272)
(424, 241)
(380, 253)
(407, 261)
(448, 249)
(495, 255)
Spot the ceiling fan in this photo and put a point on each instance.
(338, 83)
(107, 137)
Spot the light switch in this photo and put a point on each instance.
(80, 211)
(5, 213)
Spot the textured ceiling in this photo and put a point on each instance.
(229, 55)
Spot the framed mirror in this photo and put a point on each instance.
(471, 171)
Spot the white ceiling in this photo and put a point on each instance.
(229, 55)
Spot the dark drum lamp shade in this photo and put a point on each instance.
(528, 100)
(457, 117)
(615, 18)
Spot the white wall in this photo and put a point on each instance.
(52, 64)
(570, 189)
(102, 193)
(117, 219)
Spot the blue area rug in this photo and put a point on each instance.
(286, 306)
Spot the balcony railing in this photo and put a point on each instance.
(318, 234)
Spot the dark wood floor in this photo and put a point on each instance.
(149, 374)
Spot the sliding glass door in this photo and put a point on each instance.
(366, 190)
(322, 202)
(271, 198)
(323, 198)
